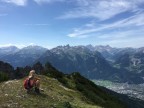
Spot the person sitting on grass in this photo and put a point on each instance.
(32, 82)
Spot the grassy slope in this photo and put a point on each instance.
(13, 95)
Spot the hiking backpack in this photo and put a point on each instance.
(27, 84)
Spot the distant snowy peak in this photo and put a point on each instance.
(104, 48)
(70, 49)
(36, 47)
(24, 56)
(32, 49)
(9, 49)
(140, 50)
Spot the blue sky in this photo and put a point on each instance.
(49, 23)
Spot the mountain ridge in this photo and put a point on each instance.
(94, 62)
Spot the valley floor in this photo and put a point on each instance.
(132, 90)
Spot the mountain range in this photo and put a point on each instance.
(8, 50)
(60, 90)
(93, 62)
(21, 57)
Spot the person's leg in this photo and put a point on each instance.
(37, 86)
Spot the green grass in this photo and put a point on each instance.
(55, 95)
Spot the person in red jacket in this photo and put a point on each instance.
(32, 81)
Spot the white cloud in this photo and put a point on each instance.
(128, 23)
(38, 24)
(101, 9)
(47, 1)
(135, 42)
(16, 2)
(24, 2)
(121, 34)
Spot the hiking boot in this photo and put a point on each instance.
(41, 89)
(37, 90)
(28, 91)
